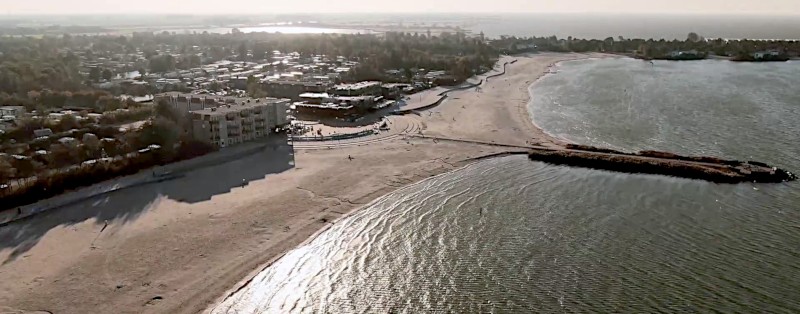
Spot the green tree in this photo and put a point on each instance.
(408, 73)
(67, 122)
(260, 51)
(107, 74)
(61, 156)
(161, 131)
(242, 51)
(95, 74)
(7, 172)
(26, 167)
(162, 63)
(608, 44)
(254, 88)
(164, 110)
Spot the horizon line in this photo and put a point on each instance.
(793, 14)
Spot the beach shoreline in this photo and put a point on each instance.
(171, 255)
(555, 65)
(526, 106)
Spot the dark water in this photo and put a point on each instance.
(514, 236)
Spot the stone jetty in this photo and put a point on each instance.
(663, 163)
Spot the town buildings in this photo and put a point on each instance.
(348, 99)
(9, 115)
(292, 89)
(368, 88)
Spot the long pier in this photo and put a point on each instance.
(663, 163)
(711, 169)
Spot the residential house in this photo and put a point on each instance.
(14, 112)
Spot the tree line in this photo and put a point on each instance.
(24, 180)
(651, 47)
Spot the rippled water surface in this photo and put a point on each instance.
(511, 235)
(737, 110)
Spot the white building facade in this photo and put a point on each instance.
(244, 120)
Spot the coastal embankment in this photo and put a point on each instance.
(441, 93)
(442, 97)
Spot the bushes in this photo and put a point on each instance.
(192, 148)
(126, 116)
(56, 182)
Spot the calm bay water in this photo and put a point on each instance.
(747, 111)
(667, 26)
(597, 26)
(511, 235)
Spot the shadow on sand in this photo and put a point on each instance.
(128, 204)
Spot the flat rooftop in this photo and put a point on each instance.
(357, 86)
(239, 105)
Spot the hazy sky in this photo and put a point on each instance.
(782, 7)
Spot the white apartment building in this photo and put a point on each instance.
(238, 122)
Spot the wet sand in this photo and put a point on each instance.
(181, 246)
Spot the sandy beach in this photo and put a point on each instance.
(182, 245)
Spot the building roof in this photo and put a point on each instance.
(333, 106)
(292, 82)
(239, 105)
(314, 95)
(357, 86)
